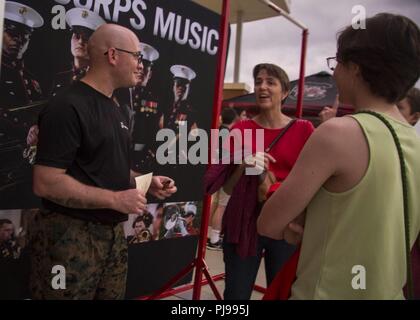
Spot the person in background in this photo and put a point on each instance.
(410, 106)
(329, 112)
(243, 115)
(242, 247)
(410, 109)
(229, 117)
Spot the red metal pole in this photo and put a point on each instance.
(301, 86)
(183, 288)
(217, 105)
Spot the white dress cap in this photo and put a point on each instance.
(190, 207)
(84, 18)
(183, 72)
(23, 14)
(149, 53)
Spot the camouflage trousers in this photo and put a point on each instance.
(94, 257)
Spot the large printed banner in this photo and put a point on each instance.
(45, 50)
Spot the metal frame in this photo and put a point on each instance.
(305, 33)
(199, 263)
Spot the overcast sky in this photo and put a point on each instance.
(278, 41)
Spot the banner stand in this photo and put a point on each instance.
(199, 262)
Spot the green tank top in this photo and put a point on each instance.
(361, 231)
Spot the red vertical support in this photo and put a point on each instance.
(301, 85)
(217, 105)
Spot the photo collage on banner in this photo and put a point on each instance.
(14, 255)
(164, 221)
(45, 50)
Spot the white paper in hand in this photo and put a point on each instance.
(143, 182)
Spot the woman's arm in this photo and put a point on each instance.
(317, 162)
(234, 178)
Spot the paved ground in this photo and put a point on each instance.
(214, 260)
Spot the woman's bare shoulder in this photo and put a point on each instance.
(339, 126)
(337, 134)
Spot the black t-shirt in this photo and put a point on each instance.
(86, 133)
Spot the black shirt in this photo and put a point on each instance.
(86, 133)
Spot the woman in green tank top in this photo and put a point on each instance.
(347, 179)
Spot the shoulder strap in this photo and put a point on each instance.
(281, 134)
(405, 199)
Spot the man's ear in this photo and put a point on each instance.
(111, 56)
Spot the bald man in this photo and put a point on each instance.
(83, 176)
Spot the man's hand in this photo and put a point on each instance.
(162, 187)
(329, 112)
(129, 201)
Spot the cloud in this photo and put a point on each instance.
(278, 41)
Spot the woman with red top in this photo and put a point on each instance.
(242, 247)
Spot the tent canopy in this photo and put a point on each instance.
(251, 9)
